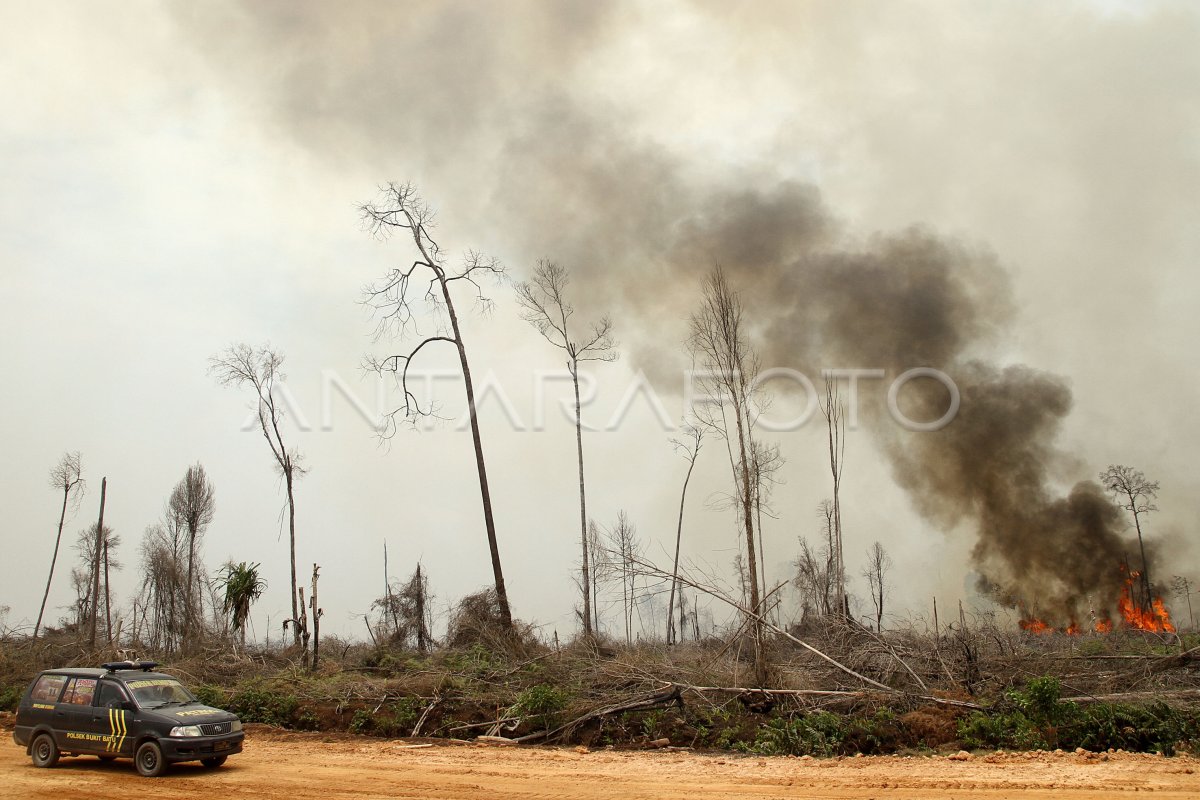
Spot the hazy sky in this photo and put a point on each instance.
(178, 177)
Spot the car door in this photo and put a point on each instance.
(74, 724)
(111, 718)
(43, 701)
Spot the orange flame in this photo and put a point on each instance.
(1072, 629)
(1156, 619)
(1104, 626)
(1035, 625)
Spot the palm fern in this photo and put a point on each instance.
(243, 585)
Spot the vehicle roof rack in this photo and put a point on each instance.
(144, 666)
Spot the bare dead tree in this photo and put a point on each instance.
(544, 305)
(67, 477)
(97, 557)
(626, 549)
(814, 579)
(765, 465)
(261, 369)
(394, 300)
(317, 613)
(689, 447)
(835, 418)
(878, 565)
(1181, 587)
(193, 503)
(1134, 493)
(599, 566)
(729, 368)
(405, 613)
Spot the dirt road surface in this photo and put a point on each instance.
(278, 765)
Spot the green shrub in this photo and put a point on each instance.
(211, 695)
(10, 697)
(363, 721)
(542, 703)
(254, 702)
(1037, 718)
(817, 734)
(405, 713)
(1156, 727)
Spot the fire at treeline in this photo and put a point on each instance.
(1083, 562)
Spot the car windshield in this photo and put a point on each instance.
(155, 692)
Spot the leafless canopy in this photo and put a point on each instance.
(544, 305)
(67, 476)
(395, 300)
(260, 368)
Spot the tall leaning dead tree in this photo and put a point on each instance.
(728, 371)
(544, 305)
(1134, 493)
(395, 300)
(261, 370)
(66, 477)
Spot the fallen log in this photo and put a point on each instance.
(671, 695)
(1179, 694)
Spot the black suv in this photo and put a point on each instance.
(123, 710)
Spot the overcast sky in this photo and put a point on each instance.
(177, 177)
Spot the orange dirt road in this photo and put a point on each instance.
(290, 766)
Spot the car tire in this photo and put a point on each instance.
(44, 751)
(213, 761)
(149, 760)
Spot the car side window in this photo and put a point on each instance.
(111, 695)
(48, 688)
(80, 691)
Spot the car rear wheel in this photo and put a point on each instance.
(149, 760)
(44, 751)
(213, 761)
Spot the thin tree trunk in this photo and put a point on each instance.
(760, 672)
(107, 596)
(189, 612)
(316, 609)
(675, 569)
(287, 471)
(587, 606)
(481, 468)
(53, 559)
(96, 567)
(422, 633)
(1149, 597)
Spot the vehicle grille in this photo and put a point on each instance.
(214, 728)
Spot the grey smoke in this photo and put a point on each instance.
(411, 90)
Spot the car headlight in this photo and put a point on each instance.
(186, 731)
(235, 726)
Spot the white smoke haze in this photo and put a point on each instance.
(970, 187)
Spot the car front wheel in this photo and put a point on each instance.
(44, 751)
(149, 760)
